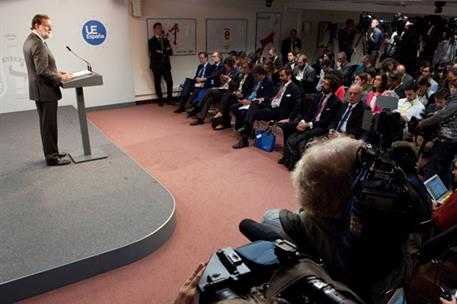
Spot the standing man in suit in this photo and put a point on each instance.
(160, 52)
(290, 44)
(44, 81)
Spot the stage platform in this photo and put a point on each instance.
(59, 225)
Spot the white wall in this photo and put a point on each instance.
(112, 59)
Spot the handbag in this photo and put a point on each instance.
(265, 139)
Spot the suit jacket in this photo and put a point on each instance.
(266, 89)
(44, 79)
(354, 123)
(208, 70)
(309, 74)
(286, 46)
(328, 113)
(291, 101)
(346, 71)
(214, 79)
(159, 60)
(248, 84)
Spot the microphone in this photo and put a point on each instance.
(89, 66)
(255, 231)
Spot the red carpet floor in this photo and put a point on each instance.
(214, 186)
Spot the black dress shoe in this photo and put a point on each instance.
(160, 103)
(62, 154)
(180, 109)
(241, 144)
(197, 122)
(58, 162)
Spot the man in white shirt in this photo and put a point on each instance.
(410, 106)
(427, 73)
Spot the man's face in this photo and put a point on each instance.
(358, 80)
(158, 30)
(340, 59)
(393, 82)
(365, 60)
(202, 58)
(284, 77)
(301, 62)
(354, 95)
(426, 72)
(422, 89)
(293, 34)
(215, 57)
(44, 29)
(452, 79)
(374, 24)
(271, 55)
(258, 77)
(440, 103)
(326, 88)
(246, 68)
(410, 95)
(290, 57)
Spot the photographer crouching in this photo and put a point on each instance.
(445, 147)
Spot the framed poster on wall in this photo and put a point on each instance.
(268, 30)
(324, 35)
(180, 32)
(225, 35)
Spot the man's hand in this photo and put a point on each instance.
(199, 79)
(237, 94)
(453, 301)
(419, 125)
(66, 76)
(333, 134)
(245, 102)
(286, 120)
(159, 52)
(186, 293)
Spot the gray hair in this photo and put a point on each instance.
(323, 177)
(390, 93)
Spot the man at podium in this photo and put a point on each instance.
(44, 81)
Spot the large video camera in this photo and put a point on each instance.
(231, 274)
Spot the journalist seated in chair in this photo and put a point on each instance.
(303, 71)
(211, 81)
(284, 105)
(263, 89)
(244, 86)
(350, 116)
(192, 85)
(227, 83)
(313, 122)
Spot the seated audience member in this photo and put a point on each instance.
(341, 91)
(290, 43)
(191, 86)
(258, 57)
(394, 84)
(263, 90)
(312, 123)
(291, 61)
(325, 66)
(405, 78)
(388, 65)
(349, 119)
(362, 81)
(440, 98)
(245, 84)
(445, 147)
(422, 90)
(303, 71)
(365, 64)
(427, 73)
(213, 80)
(379, 86)
(444, 216)
(371, 74)
(284, 105)
(272, 72)
(242, 56)
(410, 106)
(344, 67)
(214, 95)
(274, 58)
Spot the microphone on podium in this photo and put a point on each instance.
(89, 66)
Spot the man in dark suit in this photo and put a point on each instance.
(192, 85)
(290, 44)
(313, 122)
(350, 116)
(303, 71)
(159, 53)
(284, 105)
(44, 81)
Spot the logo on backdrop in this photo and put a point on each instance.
(94, 32)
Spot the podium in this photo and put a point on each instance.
(93, 79)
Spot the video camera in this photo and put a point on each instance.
(231, 273)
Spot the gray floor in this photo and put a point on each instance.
(51, 217)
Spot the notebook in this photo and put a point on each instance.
(437, 189)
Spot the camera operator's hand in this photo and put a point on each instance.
(420, 125)
(453, 301)
(186, 293)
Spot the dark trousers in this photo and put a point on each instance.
(227, 100)
(296, 143)
(440, 161)
(187, 89)
(259, 112)
(240, 115)
(210, 98)
(47, 113)
(166, 74)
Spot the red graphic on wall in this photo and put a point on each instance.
(227, 33)
(174, 30)
(267, 39)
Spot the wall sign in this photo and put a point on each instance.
(94, 32)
